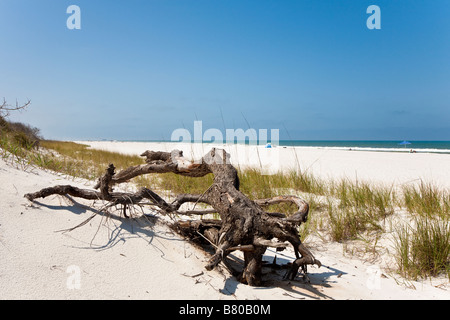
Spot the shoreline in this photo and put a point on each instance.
(385, 168)
(349, 147)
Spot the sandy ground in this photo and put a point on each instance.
(112, 258)
(387, 168)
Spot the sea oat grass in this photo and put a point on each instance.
(423, 248)
(426, 199)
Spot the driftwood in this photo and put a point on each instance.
(243, 225)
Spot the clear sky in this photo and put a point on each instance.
(138, 70)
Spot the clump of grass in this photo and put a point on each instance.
(340, 223)
(423, 250)
(79, 160)
(47, 162)
(426, 199)
(377, 200)
(256, 185)
(350, 223)
(356, 208)
(306, 182)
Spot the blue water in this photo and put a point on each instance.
(389, 146)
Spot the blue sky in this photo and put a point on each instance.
(138, 70)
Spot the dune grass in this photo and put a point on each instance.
(343, 209)
(91, 161)
(423, 248)
(427, 200)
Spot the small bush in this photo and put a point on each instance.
(20, 134)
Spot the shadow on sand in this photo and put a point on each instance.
(310, 287)
(121, 230)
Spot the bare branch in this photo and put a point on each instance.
(298, 217)
(243, 224)
(6, 108)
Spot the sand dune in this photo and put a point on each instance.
(140, 259)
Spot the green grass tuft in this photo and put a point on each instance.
(423, 249)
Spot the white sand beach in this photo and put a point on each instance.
(138, 259)
(387, 168)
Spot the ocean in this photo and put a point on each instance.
(362, 145)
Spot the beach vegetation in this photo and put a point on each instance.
(340, 210)
(426, 199)
(423, 247)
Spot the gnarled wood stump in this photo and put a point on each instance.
(243, 224)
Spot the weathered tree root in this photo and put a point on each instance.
(243, 224)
